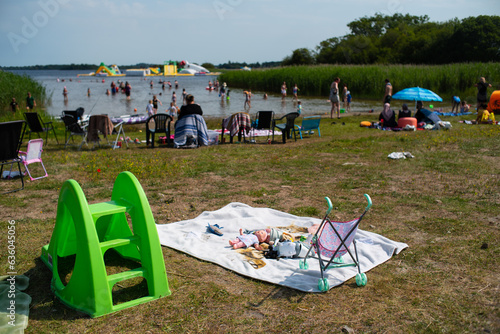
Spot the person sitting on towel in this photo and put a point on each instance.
(484, 116)
(405, 112)
(424, 115)
(388, 117)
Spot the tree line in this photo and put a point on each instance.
(407, 39)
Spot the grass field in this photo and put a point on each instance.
(444, 204)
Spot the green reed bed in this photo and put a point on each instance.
(367, 81)
(18, 86)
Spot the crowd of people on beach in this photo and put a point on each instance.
(387, 116)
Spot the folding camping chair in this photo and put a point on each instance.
(36, 124)
(331, 242)
(73, 128)
(77, 114)
(32, 155)
(103, 124)
(263, 121)
(237, 124)
(118, 128)
(11, 134)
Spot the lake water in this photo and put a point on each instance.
(115, 105)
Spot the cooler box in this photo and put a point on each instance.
(213, 137)
(404, 121)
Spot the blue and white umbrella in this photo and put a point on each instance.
(417, 94)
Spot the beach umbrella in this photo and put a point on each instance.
(417, 94)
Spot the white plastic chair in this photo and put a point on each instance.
(32, 155)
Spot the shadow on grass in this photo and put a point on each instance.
(46, 306)
(280, 292)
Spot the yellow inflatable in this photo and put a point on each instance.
(365, 124)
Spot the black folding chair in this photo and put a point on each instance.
(73, 128)
(77, 114)
(263, 121)
(11, 134)
(36, 124)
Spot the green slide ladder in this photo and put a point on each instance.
(88, 231)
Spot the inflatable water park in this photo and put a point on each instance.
(169, 68)
(103, 71)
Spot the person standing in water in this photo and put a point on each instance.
(295, 91)
(248, 96)
(155, 103)
(128, 90)
(65, 93)
(184, 94)
(283, 91)
(334, 97)
(222, 92)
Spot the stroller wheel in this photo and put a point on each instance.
(361, 279)
(303, 264)
(323, 285)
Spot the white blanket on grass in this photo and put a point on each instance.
(191, 237)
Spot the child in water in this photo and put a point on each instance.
(299, 107)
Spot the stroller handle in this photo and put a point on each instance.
(330, 206)
(369, 200)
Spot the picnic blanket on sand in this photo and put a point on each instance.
(191, 237)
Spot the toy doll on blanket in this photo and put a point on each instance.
(268, 236)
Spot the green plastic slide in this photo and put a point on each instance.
(88, 231)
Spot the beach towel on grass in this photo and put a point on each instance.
(453, 113)
(191, 126)
(255, 133)
(191, 237)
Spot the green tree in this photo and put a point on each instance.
(476, 39)
(408, 39)
(301, 56)
(208, 66)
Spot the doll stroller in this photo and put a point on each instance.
(331, 242)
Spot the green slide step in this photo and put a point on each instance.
(88, 231)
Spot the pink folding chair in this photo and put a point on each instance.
(32, 155)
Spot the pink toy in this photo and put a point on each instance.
(247, 240)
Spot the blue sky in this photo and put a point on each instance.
(129, 32)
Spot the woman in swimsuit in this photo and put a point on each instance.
(283, 90)
(334, 97)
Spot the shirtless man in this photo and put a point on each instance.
(388, 91)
